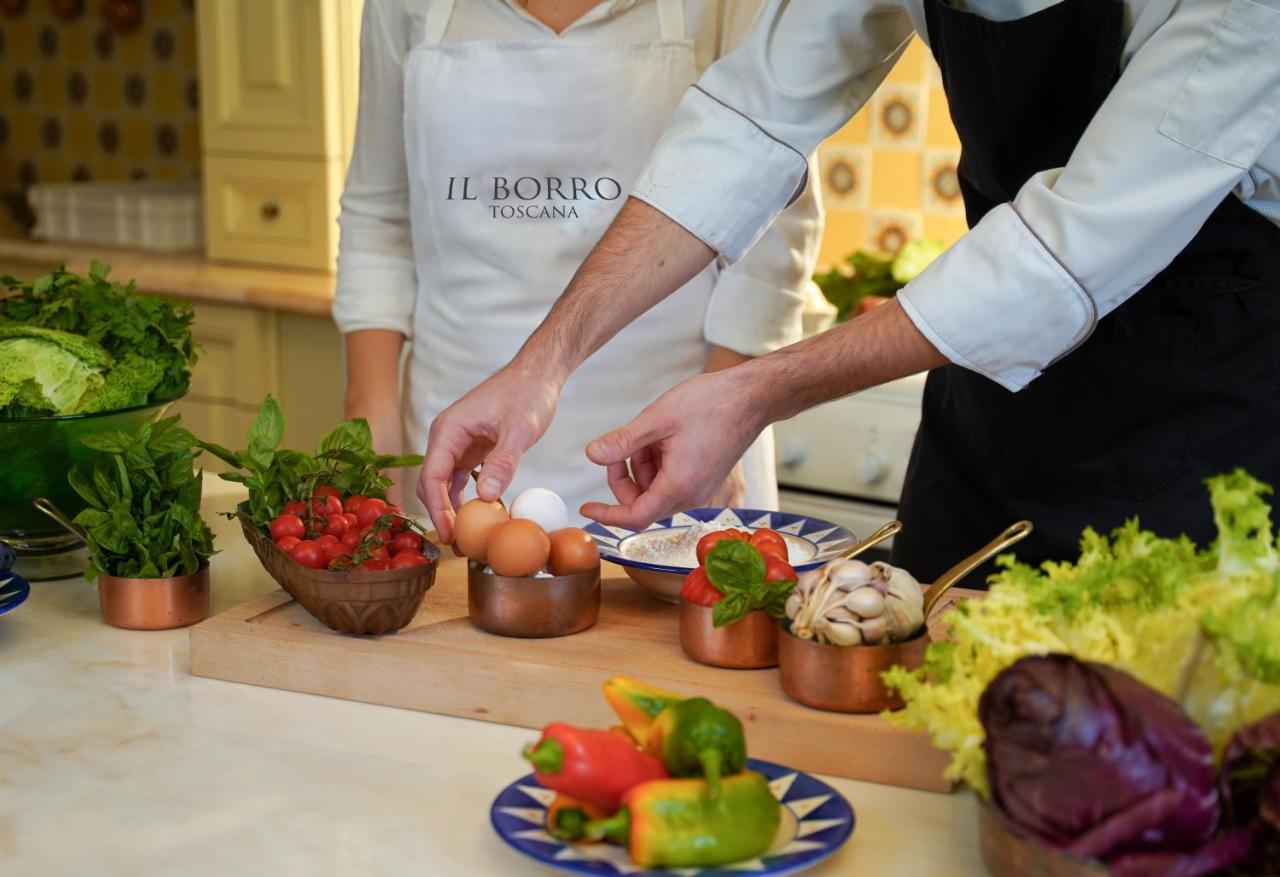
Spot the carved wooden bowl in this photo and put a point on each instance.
(359, 602)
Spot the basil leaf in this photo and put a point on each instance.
(354, 435)
(734, 566)
(730, 608)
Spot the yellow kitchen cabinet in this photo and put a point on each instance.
(278, 100)
(249, 353)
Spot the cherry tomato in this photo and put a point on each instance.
(295, 508)
(336, 526)
(331, 547)
(376, 563)
(406, 559)
(352, 522)
(353, 503)
(287, 543)
(369, 511)
(379, 552)
(707, 542)
(777, 570)
(340, 563)
(350, 539)
(326, 506)
(324, 490)
(406, 541)
(697, 589)
(770, 542)
(287, 525)
(309, 554)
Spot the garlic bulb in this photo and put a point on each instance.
(849, 603)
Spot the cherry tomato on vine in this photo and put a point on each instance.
(287, 525)
(369, 511)
(286, 544)
(295, 508)
(406, 541)
(309, 554)
(353, 503)
(406, 559)
(336, 526)
(770, 542)
(350, 539)
(707, 542)
(323, 490)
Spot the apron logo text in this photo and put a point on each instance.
(556, 193)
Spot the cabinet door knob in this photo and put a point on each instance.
(270, 211)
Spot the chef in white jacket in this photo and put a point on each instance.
(497, 140)
(1105, 337)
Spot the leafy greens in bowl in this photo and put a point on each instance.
(81, 344)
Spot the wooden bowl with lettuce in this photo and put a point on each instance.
(79, 355)
(1120, 714)
(297, 499)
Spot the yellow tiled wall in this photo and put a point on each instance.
(890, 174)
(80, 101)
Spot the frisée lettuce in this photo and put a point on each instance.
(1201, 625)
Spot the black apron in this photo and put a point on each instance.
(1179, 383)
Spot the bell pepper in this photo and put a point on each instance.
(597, 766)
(696, 738)
(567, 818)
(675, 823)
(637, 704)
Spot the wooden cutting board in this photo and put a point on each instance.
(440, 663)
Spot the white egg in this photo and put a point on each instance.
(544, 507)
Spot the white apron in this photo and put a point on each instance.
(520, 154)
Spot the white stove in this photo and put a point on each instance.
(845, 461)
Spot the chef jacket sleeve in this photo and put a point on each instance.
(736, 150)
(1191, 115)
(376, 284)
(757, 303)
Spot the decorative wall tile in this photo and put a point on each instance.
(902, 149)
(940, 185)
(898, 116)
(846, 176)
(79, 101)
(888, 230)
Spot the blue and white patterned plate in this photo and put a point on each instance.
(14, 590)
(811, 541)
(816, 821)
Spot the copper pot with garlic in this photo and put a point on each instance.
(849, 622)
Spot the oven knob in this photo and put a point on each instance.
(792, 452)
(875, 468)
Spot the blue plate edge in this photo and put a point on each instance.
(576, 867)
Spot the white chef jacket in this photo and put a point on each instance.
(1194, 116)
(757, 301)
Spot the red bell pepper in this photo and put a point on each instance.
(598, 767)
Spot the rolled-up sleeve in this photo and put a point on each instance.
(758, 301)
(376, 283)
(1194, 110)
(736, 152)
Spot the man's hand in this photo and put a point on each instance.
(494, 424)
(680, 449)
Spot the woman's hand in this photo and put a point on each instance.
(494, 424)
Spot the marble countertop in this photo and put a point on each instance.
(184, 275)
(114, 760)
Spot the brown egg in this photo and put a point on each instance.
(572, 550)
(518, 548)
(476, 520)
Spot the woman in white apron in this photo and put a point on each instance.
(491, 154)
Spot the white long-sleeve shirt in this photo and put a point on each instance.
(756, 302)
(1194, 116)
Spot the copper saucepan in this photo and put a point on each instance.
(846, 679)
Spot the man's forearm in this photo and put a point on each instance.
(865, 352)
(642, 259)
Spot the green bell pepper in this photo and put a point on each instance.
(697, 738)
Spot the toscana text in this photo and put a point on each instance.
(537, 197)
